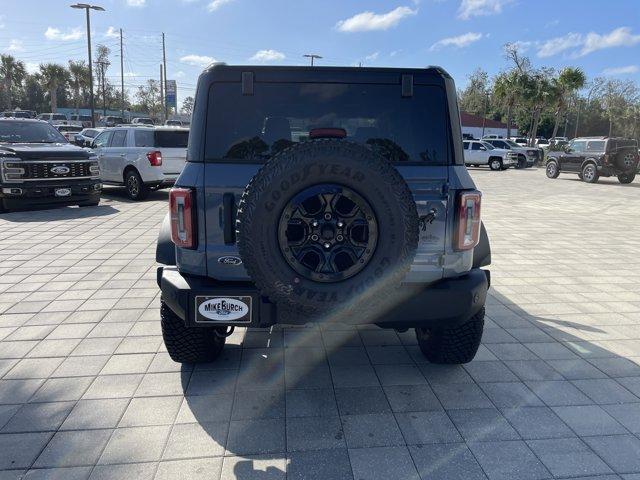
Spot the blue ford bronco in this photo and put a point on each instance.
(324, 194)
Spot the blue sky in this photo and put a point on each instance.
(602, 37)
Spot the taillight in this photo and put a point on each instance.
(155, 158)
(467, 231)
(181, 212)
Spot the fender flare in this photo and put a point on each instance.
(482, 252)
(165, 249)
(588, 160)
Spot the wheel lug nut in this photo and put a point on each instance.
(340, 224)
(327, 216)
(314, 223)
(339, 238)
(327, 245)
(314, 237)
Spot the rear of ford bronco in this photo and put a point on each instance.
(324, 195)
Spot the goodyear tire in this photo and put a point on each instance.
(346, 230)
(188, 344)
(452, 345)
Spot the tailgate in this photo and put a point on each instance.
(173, 160)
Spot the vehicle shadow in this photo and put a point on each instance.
(603, 181)
(57, 213)
(259, 383)
(120, 194)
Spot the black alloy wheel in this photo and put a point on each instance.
(328, 233)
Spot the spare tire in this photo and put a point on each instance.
(327, 226)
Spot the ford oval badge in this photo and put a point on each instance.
(60, 170)
(230, 260)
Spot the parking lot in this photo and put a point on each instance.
(87, 391)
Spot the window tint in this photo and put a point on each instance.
(487, 145)
(475, 146)
(466, 145)
(499, 144)
(119, 138)
(578, 146)
(59, 116)
(171, 138)
(597, 146)
(102, 140)
(144, 138)
(254, 127)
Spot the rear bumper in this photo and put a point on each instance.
(447, 302)
(15, 196)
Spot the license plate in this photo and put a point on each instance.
(227, 310)
(63, 192)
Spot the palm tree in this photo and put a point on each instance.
(539, 92)
(78, 80)
(506, 90)
(53, 77)
(12, 72)
(564, 85)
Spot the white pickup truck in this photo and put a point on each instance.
(478, 152)
(141, 158)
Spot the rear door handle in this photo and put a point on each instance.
(123, 154)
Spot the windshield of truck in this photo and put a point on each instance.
(488, 146)
(255, 127)
(511, 143)
(29, 132)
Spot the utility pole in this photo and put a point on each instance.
(164, 97)
(121, 78)
(312, 56)
(161, 86)
(86, 8)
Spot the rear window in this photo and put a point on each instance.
(59, 116)
(254, 127)
(622, 143)
(162, 138)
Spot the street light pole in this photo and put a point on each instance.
(312, 56)
(86, 8)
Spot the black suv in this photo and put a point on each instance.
(324, 195)
(594, 157)
(39, 167)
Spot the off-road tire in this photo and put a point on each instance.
(522, 162)
(188, 344)
(552, 169)
(452, 345)
(320, 162)
(495, 164)
(590, 173)
(3, 209)
(136, 189)
(625, 178)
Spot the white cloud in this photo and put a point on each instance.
(267, 56)
(629, 69)
(367, 21)
(620, 37)
(522, 46)
(53, 33)
(180, 74)
(112, 33)
(373, 57)
(216, 4)
(15, 46)
(198, 60)
(477, 8)
(558, 45)
(460, 41)
(32, 67)
(136, 3)
(585, 44)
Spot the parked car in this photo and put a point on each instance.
(468, 136)
(80, 120)
(17, 114)
(176, 123)
(38, 167)
(555, 140)
(337, 225)
(522, 141)
(594, 157)
(141, 158)
(478, 153)
(110, 121)
(527, 156)
(86, 136)
(142, 121)
(491, 136)
(54, 118)
(69, 131)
